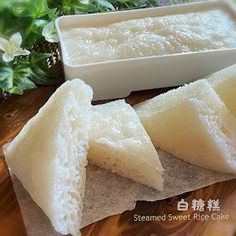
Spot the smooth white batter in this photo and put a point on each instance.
(172, 34)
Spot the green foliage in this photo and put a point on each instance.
(17, 76)
(90, 6)
(34, 9)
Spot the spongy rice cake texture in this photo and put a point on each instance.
(193, 124)
(49, 155)
(170, 34)
(118, 142)
(224, 83)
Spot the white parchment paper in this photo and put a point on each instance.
(108, 194)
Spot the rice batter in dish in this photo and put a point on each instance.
(190, 32)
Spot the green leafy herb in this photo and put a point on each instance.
(34, 9)
(25, 74)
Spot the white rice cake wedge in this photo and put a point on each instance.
(49, 155)
(193, 124)
(118, 142)
(224, 82)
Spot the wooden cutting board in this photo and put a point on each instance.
(17, 110)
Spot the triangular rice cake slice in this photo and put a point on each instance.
(193, 124)
(119, 142)
(49, 155)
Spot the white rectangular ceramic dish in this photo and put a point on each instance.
(113, 79)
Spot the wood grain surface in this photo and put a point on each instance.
(17, 110)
